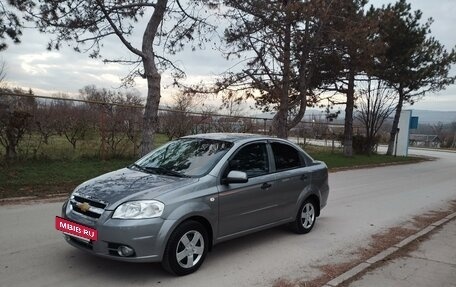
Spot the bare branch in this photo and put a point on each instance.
(186, 14)
(94, 38)
(118, 32)
(132, 5)
(170, 63)
(121, 61)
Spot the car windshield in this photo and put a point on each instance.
(185, 157)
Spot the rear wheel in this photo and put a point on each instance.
(186, 249)
(305, 218)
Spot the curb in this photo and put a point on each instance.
(25, 199)
(436, 150)
(20, 198)
(385, 253)
(419, 159)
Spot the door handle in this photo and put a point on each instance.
(266, 185)
(304, 177)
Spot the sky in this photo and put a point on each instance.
(30, 65)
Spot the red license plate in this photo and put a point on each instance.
(76, 229)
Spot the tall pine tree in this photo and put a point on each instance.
(414, 63)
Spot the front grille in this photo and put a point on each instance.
(79, 242)
(92, 208)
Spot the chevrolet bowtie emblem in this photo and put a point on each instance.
(83, 206)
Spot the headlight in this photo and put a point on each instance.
(139, 209)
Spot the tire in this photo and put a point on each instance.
(186, 248)
(305, 218)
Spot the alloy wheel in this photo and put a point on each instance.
(190, 249)
(307, 215)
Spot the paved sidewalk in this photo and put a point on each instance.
(431, 263)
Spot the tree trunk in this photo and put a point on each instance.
(302, 110)
(280, 122)
(11, 139)
(150, 118)
(397, 115)
(11, 153)
(153, 77)
(348, 127)
(281, 118)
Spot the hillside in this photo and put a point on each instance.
(425, 116)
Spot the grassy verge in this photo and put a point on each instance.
(39, 178)
(58, 148)
(44, 177)
(336, 160)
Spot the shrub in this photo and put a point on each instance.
(364, 145)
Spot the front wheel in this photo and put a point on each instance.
(186, 249)
(305, 218)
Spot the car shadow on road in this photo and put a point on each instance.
(107, 271)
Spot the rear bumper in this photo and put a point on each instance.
(324, 193)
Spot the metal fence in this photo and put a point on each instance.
(34, 126)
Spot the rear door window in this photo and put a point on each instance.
(286, 156)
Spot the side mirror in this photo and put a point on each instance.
(236, 176)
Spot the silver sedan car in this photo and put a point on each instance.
(175, 203)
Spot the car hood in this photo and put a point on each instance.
(127, 183)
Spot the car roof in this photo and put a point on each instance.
(230, 137)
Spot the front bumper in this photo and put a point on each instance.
(147, 237)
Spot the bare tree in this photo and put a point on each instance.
(118, 114)
(232, 104)
(375, 104)
(177, 122)
(13, 126)
(73, 123)
(132, 118)
(453, 131)
(15, 120)
(123, 122)
(46, 121)
(439, 130)
(204, 121)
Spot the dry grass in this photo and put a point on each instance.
(384, 240)
(379, 242)
(329, 271)
(426, 219)
(284, 283)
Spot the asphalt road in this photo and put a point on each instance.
(361, 203)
